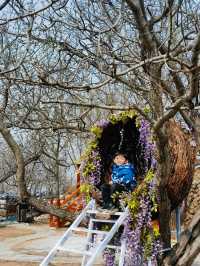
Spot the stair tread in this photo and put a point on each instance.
(104, 212)
(108, 246)
(103, 221)
(78, 251)
(113, 247)
(78, 229)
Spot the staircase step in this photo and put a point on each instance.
(77, 251)
(114, 247)
(90, 231)
(103, 221)
(108, 246)
(110, 212)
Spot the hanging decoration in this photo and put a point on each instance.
(122, 138)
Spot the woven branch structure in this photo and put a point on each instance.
(183, 157)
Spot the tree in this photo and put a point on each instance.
(78, 52)
(186, 251)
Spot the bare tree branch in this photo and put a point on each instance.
(31, 14)
(105, 107)
(4, 4)
(13, 171)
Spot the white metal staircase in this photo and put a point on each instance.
(92, 250)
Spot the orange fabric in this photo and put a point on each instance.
(71, 203)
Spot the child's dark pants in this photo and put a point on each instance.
(108, 190)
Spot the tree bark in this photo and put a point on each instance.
(20, 172)
(186, 251)
(44, 207)
(163, 172)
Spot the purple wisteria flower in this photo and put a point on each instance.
(94, 175)
(147, 145)
(135, 230)
(102, 123)
(109, 257)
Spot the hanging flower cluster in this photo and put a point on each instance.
(91, 169)
(142, 239)
(102, 123)
(147, 144)
(109, 257)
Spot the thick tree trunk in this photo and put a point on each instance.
(186, 251)
(163, 172)
(20, 172)
(44, 207)
(165, 214)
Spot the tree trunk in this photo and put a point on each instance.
(44, 207)
(20, 172)
(163, 172)
(165, 214)
(57, 186)
(187, 250)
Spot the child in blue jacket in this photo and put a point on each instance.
(122, 179)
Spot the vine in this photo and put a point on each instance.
(141, 237)
(86, 189)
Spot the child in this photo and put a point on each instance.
(123, 179)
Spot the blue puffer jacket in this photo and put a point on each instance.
(124, 174)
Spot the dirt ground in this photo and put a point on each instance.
(27, 245)
(14, 263)
(7, 232)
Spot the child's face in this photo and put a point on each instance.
(120, 159)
